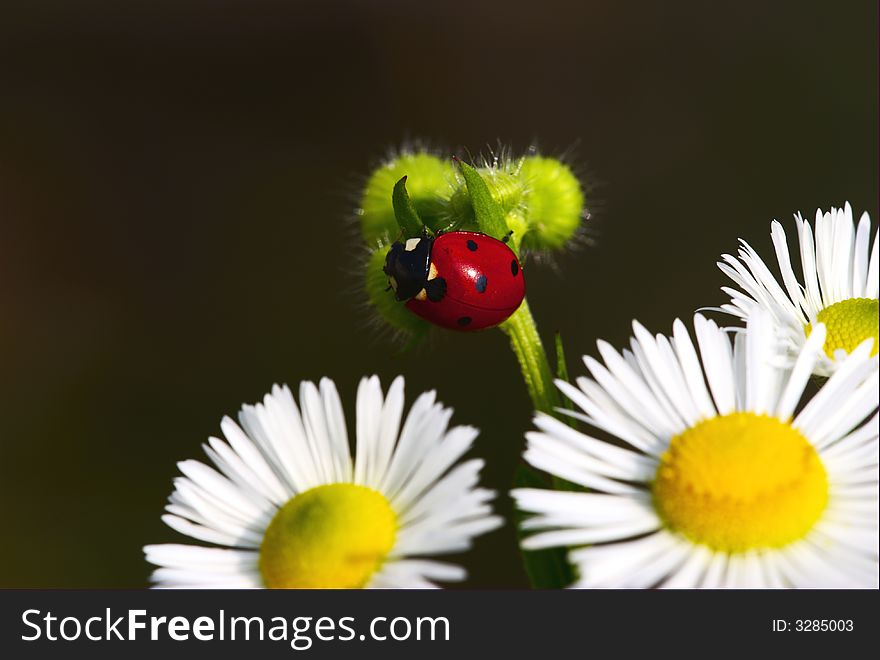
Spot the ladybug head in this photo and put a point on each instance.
(407, 265)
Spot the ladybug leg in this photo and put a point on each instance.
(507, 236)
(435, 289)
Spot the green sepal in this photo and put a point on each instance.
(488, 212)
(562, 374)
(405, 211)
(561, 368)
(548, 568)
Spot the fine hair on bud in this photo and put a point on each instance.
(430, 183)
(542, 198)
(554, 203)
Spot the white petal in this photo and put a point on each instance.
(252, 457)
(369, 420)
(689, 574)
(245, 540)
(317, 433)
(717, 359)
(872, 282)
(800, 375)
(220, 489)
(812, 293)
(424, 427)
(629, 390)
(336, 429)
(860, 257)
(626, 464)
(389, 426)
(432, 570)
(605, 566)
(848, 376)
(795, 292)
(763, 375)
(435, 462)
(605, 413)
(692, 370)
(598, 534)
(196, 558)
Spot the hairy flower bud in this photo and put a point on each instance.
(553, 206)
(430, 184)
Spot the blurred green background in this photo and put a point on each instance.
(177, 182)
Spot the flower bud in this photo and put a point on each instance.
(553, 204)
(506, 189)
(429, 183)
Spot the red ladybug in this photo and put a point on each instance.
(461, 280)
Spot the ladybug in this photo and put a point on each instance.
(461, 280)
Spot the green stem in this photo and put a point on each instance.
(529, 350)
(547, 569)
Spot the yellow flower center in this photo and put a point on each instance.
(848, 323)
(329, 537)
(740, 482)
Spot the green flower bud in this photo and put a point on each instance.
(382, 300)
(535, 200)
(429, 183)
(506, 188)
(553, 204)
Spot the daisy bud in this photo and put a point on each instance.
(430, 183)
(543, 201)
(506, 189)
(553, 204)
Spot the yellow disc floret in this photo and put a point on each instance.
(740, 482)
(848, 323)
(329, 537)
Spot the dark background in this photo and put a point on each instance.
(176, 193)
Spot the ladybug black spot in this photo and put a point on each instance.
(464, 320)
(481, 284)
(472, 246)
(514, 267)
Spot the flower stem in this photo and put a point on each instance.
(529, 350)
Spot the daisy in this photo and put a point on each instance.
(290, 508)
(713, 479)
(839, 289)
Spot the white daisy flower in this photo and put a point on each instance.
(713, 479)
(291, 509)
(840, 284)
